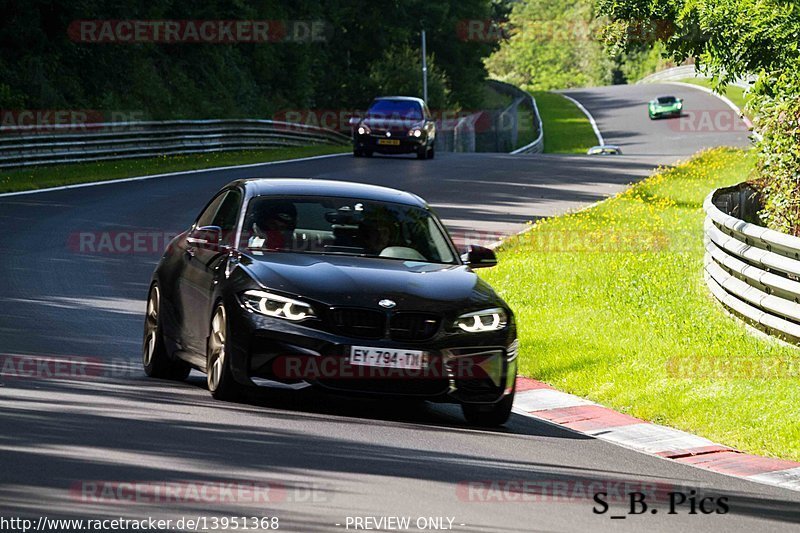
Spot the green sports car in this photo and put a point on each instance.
(664, 106)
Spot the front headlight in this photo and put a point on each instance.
(363, 129)
(271, 304)
(480, 321)
(417, 130)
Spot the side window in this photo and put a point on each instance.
(228, 212)
(227, 215)
(206, 218)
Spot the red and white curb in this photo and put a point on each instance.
(541, 401)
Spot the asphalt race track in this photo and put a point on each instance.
(70, 445)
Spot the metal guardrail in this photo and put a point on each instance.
(752, 270)
(521, 99)
(688, 71)
(67, 143)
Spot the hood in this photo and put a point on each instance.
(362, 282)
(383, 124)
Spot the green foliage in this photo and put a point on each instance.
(551, 46)
(41, 68)
(730, 39)
(398, 72)
(779, 150)
(556, 44)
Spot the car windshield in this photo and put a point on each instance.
(666, 100)
(400, 109)
(344, 226)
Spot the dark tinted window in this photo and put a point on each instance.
(206, 218)
(228, 212)
(401, 109)
(666, 99)
(345, 226)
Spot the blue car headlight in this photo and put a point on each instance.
(274, 305)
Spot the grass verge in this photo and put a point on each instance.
(41, 177)
(611, 305)
(566, 128)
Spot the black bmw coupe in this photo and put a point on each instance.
(350, 287)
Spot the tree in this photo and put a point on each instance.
(551, 46)
(730, 39)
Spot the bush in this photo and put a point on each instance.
(778, 172)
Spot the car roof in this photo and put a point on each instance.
(332, 188)
(406, 98)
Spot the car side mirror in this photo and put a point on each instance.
(479, 257)
(205, 236)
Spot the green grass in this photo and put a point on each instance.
(41, 177)
(566, 128)
(612, 306)
(734, 94)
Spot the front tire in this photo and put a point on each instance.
(422, 152)
(221, 384)
(156, 361)
(489, 416)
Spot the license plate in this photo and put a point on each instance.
(386, 357)
(391, 142)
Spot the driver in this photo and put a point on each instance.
(273, 225)
(376, 232)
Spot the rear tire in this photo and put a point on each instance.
(488, 416)
(156, 361)
(221, 384)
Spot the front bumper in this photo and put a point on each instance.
(400, 144)
(461, 368)
(658, 113)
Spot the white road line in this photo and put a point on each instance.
(788, 479)
(589, 116)
(725, 99)
(651, 438)
(168, 174)
(545, 399)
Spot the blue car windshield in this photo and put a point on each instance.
(398, 109)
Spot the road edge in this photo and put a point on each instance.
(166, 175)
(540, 401)
(586, 112)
